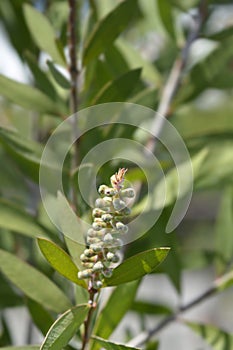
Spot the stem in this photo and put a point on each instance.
(87, 322)
(74, 102)
(218, 285)
(173, 81)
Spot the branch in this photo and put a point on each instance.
(173, 81)
(219, 285)
(74, 102)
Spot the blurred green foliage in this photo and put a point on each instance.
(127, 49)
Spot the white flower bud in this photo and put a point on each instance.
(98, 266)
(97, 284)
(118, 204)
(128, 193)
(85, 274)
(106, 217)
(121, 227)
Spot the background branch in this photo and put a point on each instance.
(219, 285)
(173, 81)
(74, 102)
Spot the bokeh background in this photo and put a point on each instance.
(129, 61)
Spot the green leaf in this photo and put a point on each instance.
(24, 347)
(223, 230)
(110, 316)
(172, 181)
(43, 33)
(106, 344)
(165, 11)
(58, 76)
(8, 297)
(144, 307)
(41, 79)
(119, 89)
(41, 317)
(69, 223)
(109, 28)
(60, 261)
(137, 266)
(135, 60)
(33, 283)
(216, 338)
(64, 328)
(15, 219)
(27, 96)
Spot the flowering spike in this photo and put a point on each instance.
(102, 239)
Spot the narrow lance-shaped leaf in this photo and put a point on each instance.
(41, 317)
(60, 261)
(109, 345)
(223, 231)
(119, 89)
(58, 76)
(22, 222)
(33, 283)
(43, 33)
(42, 81)
(108, 29)
(165, 10)
(24, 347)
(216, 338)
(26, 96)
(64, 328)
(137, 266)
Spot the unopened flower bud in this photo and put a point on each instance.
(98, 266)
(118, 204)
(98, 224)
(97, 212)
(91, 240)
(102, 203)
(97, 284)
(106, 217)
(89, 252)
(121, 227)
(128, 193)
(108, 238)
(97, 247)
(85, 274)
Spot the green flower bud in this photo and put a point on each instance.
(98, 266)
(118, 204)
(127, 193)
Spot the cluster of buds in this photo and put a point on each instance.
(103, 239)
